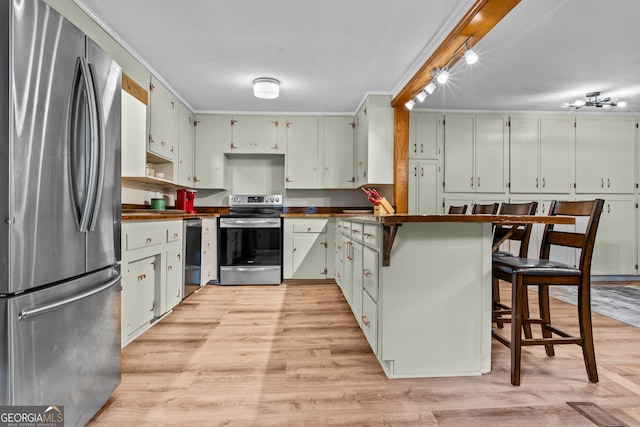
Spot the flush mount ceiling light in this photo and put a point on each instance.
(266, 88)
(594, 101)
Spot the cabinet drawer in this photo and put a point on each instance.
(174, 231)
(310, 227)
(357, 230)
(370, 272)
(144, 237)
(370, 321)
(370, 234)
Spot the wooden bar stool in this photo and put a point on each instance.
(458, 209)
(542, 273)
(522, 235)
(490, 209)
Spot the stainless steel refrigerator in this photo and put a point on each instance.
(59, 214)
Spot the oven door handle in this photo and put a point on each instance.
(250, 223)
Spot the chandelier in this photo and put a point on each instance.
(594, 101)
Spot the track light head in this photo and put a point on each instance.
(470, 56)
(410, 103)
(443, 76)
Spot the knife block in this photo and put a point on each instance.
(383, 207)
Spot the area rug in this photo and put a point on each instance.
(617, 302)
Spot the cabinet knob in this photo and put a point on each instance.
(149, 240)
(366, 273)
(365, 322)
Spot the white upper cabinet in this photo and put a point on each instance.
(458, 153)
(605, 154)
(212, 133)
(186, 138)
(374, 141)
(255, 134)
(163, 122)
(337, 152)
(134, 135)
(541, 154)
(474, 153)
(425, 135)
(302, 163)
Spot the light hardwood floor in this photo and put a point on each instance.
(293, 355)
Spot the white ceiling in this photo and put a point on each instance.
(328, 54)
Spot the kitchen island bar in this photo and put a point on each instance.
(420, 288)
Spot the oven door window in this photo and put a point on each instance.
(250, 246)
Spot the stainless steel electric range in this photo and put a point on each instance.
(250, 240)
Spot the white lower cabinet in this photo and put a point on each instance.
(359, 279)
(615, 248)
(152, 265)
(369, 321)
(139, 281)
(208, 251)
(395, 304)
(306, 248)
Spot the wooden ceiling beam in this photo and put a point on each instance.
(477, 22)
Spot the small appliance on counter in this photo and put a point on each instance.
(184, 200)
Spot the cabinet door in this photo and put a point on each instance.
(458, 168)
(423, 188)
(361, 154)
(424, 135)
(489, 154)
(138, 294)
(557, 139)
(164, 116)
(254, 134)
(337, 147)
(213, 132)
(207, 251)
(302, 152)
(615, 247)
(590, 177)
(134, 136)
(186, 140)
(174, 277)
(357, 281)
(619, 144)
(309, 257)
(370, 272)
(524, 155)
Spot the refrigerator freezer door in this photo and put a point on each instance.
(44, 243)
(64, 345)
(103, 239)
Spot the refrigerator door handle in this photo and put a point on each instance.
(84, 85)
(37, 311)
(98, 144)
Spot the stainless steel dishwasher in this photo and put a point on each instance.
(192, 255)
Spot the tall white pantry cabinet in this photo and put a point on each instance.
(545, 157)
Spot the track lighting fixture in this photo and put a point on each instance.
(440, 76)
(594, 101)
